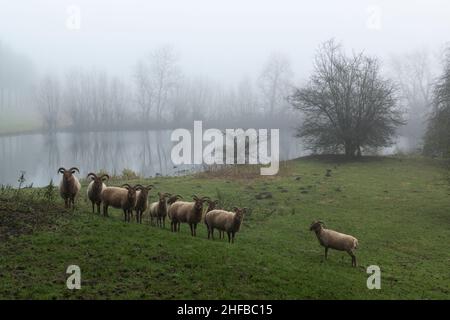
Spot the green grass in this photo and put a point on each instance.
(399, 209)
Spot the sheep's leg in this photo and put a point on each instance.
(229, 239)
(124, 215)
(195, 229)
(326, 253)
(179, 225)
(93, 207)
(98, 208)
(350, 252)
(192, 230)
(164, 222)
(105, 210)
(232, 237)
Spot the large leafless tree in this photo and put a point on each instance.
(347, 105)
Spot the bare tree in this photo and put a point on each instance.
(437, 139)
(48, 98)
(275, 82)
(145, 89)
(156, 78)
(347, 104)
(413, 73)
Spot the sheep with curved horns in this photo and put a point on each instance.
(158, 209)
(141, 200)
(186, 212)
(69, 186)
(120, 198)
(225, 221)
(335, 240)
(95, 188)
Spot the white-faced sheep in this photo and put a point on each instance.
(158, 209)
(120, 198)
(186, 212)
(141, 201)
(69, 186)
(95, 188)
(226, 221)
(335, 240)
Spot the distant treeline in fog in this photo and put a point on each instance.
(158, 94)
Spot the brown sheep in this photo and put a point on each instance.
(95, 189)
(69, 186)
(120, 198)
(226, 221)
(141, 201)
(334, 240)
(158, 209)
(186, 212)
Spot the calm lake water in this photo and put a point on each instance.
(147, 153)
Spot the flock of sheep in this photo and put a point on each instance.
(135, 198)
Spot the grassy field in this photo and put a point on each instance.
(398, 208)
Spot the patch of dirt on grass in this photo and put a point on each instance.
(18, 218)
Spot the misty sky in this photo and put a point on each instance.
(225, 39)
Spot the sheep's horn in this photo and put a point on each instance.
(235, 208)
(74, 169)
(150, 186)
(105, 176)
(126, 185)
(61, 170)
(91, 174)
(194, 197)
(206, 198)
(178, 196)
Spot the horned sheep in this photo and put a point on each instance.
(69, 186)
(95, 188)
(186, 212)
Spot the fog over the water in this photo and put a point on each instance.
(222, 39)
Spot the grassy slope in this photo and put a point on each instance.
(398, 209)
